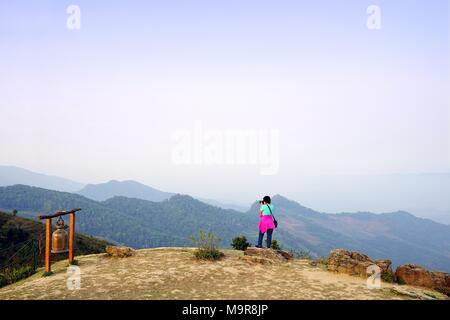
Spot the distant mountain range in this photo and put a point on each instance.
(10, 175)
(424, 195)
(130, 189)
(398, 236)
(133, 189)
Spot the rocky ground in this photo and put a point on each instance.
(173, 273)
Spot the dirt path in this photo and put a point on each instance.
(174, 274)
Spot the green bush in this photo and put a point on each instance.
(208, 254)
(207, 246)
(388, 277)
(240, 243)
(275, 245)
(9, 276)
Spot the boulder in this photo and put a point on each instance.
(417, 276)
(119, 251)
(268, 254)
(354, 263)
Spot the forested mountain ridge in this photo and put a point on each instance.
(398, 236)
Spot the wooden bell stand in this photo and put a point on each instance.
(48, 236)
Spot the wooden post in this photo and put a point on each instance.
(72, 238)
(48, 244)
(48, 236)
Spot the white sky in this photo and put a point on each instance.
(103, 102)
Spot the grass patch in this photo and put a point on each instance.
(208, 254)
(47, 274)
(11, 275)
(207, 246)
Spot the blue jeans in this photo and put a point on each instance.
(269, 238)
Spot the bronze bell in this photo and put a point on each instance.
(60, 238)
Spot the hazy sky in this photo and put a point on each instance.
(104, 102)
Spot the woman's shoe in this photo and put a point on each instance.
(258, 247)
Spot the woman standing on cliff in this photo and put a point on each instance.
(267, 222)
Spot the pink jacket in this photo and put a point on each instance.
(265, 222)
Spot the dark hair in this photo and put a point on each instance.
(266, 199)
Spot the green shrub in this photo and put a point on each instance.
(9, 276)
(240, 243)
(388, 277)
(401, 281)
(275, 245)
(207, 246)
(208, 254)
